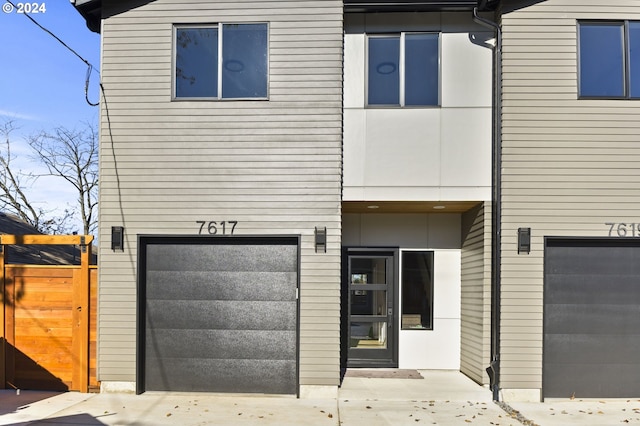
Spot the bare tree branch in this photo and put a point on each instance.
(73, 156)
(12, 185)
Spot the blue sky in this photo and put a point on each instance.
(42, 83)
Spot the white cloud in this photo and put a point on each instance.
(17, 115)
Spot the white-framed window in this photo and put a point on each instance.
(221, 61)
(609, 59)
(403, 69)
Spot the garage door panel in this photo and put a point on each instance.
(247, 376)
(586, 259)
(591, 349)
(592, 319)
(587, 381)
(578, 289)
(223, 285)
(221, 344)
(212, 314)
(222, 257)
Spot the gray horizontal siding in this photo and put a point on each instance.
(274, 166)
(476, 293)
(569, 165)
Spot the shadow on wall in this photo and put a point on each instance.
(110, 10)
(14, 292)
(22, 372)
(518, 4)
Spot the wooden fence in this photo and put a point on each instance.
(48, 339)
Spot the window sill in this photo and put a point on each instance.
(218, 99)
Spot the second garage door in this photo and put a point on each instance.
(218, 314)
(592, 318)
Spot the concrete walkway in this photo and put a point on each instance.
(441, 398)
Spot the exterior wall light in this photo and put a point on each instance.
(117, 238)
(524, 240)
(321, 239)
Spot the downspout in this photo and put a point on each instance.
(496, 212)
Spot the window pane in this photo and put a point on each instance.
(196, 62)
(601, 60)
(421, 69)
(244, 61)
(368, 335)
(384, 72)
(417, 290)
(634, 59)
(369, 270)
(368, 302)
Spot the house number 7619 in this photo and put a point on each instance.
(226, 227)
(623, 229)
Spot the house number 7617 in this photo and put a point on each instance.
(226, 227)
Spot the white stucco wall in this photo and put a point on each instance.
(424, 153)
(424, 349)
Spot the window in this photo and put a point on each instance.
(225, 61)
(417, 290)
(403, 70)
(609, 59)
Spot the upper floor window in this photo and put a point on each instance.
(224, 61)
(609, 59)
(403, 69)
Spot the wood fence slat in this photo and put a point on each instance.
(46, 274)
(45, 239)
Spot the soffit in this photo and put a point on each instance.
(368, 207)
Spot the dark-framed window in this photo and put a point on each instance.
(609, 59)
(417, 289)
(403, 69)
(221, 61)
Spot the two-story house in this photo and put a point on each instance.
(291, 188)
(570, 293)
(220, 184)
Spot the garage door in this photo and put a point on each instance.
(592, 318)
(218, 314)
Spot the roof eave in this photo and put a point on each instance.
(418, 5)
(91, 11)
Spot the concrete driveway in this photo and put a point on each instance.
(434, 398)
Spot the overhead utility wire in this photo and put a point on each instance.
(90, 67)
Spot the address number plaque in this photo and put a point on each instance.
(212, 227)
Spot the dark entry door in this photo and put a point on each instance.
(371, 287)
(218, 314)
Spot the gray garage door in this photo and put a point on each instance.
(218, 314)
(592, 318)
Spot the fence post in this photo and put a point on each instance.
(3, 360)
(85, 285)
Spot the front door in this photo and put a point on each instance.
(371, 324)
